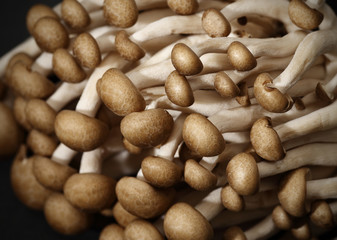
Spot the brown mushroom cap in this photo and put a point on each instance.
(131, 148)
(10, 133)
(51, 174)
(240, 57)
(19, 57)
(185, 154)
(292, 192)
(40, 115)
(122, 216)
(281, 218)
(112, 231)
(235, 233)
(30, 84)
(141, 199)
(243, 174)
(243, 97)
(19, 110)
(303, 16)
(120, 13)
(86, 50)
(36, 12)
(90, 191)
(215, 23)
(302, 231)
(148, 128)
(201, 136)
(65, 218)
(185, 61)
(41, 144)
(80, 132)
(66, 68)
(178, 90)
(161, 172)
(266, 141)
(225, 86)
(119, 94)
(231, 199)
(126, 48)
(24, 184)
(198, 177)
(141, 230)
(50, 34)
(186, 7)
(74, 14)
(270, 98)
(321, 214)
(182, 221)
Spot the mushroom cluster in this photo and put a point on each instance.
(175, 119)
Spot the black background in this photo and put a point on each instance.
(17, 221)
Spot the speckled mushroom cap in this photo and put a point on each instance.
(112, 231)
(24, 184)
(321, 214)
(281, 218)
(90, 191)
(161, 172)
(119, 94)
(141, 230)
(51, 174)
(36, 12)
(50, 34)
(122, 217)
(80, 132)
(270, 98)
(74, 14)
(65, 218)
(242, 174)
(128, 49)
(182, 221)
(240, 57)
(201, 136)
(303, 16)
(198, 177)
(186, 7)
(120, 13)
(215, 23)
(11, 135)
(30, 84)
(19, 57)
(41, 143)
(266, 141)
(292, 192)
(141, 199)
(234, 232)
(19, 110)
(185, 61)
(231, 199)
(148, 128)
(225, 86)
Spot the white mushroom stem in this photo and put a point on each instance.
(63, 154)
(211, 205)
(273, 9)
(319, 42)
(264, 229)
(322, 188)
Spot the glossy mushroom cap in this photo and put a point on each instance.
(185, 61)
(120, 13)
(198, 177)
(201, 136)
(141, 199)
(292, 192)
(90, 191)
(148, 128)
(11, 135)
(51, 174)
(141, 230)
(119, 94)
(270, 98)
(266, 141)
(64, 217)
(182, 221)
(243, 174)
(161, 172)
(24, 184)
(80, 132)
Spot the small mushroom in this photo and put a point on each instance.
(112, 231)
(122, 216)
(90, 191)
(215, 23)
(240, 57)
(36, 12)
(74, 14)
(186, 7)
(185, 61)
(65, 218)
(281, 218)
(182, 221)
(225, 86)
(40, 143)
(234, 232)
(141, 199)
(126, 48)
(120, 13)
(148, 128)
(141, 230)
(79, 131)
(321, 214)
(231, 199)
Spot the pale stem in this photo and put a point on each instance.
(63, 154)
(211, 205)
(265, 228)
(322, 188)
